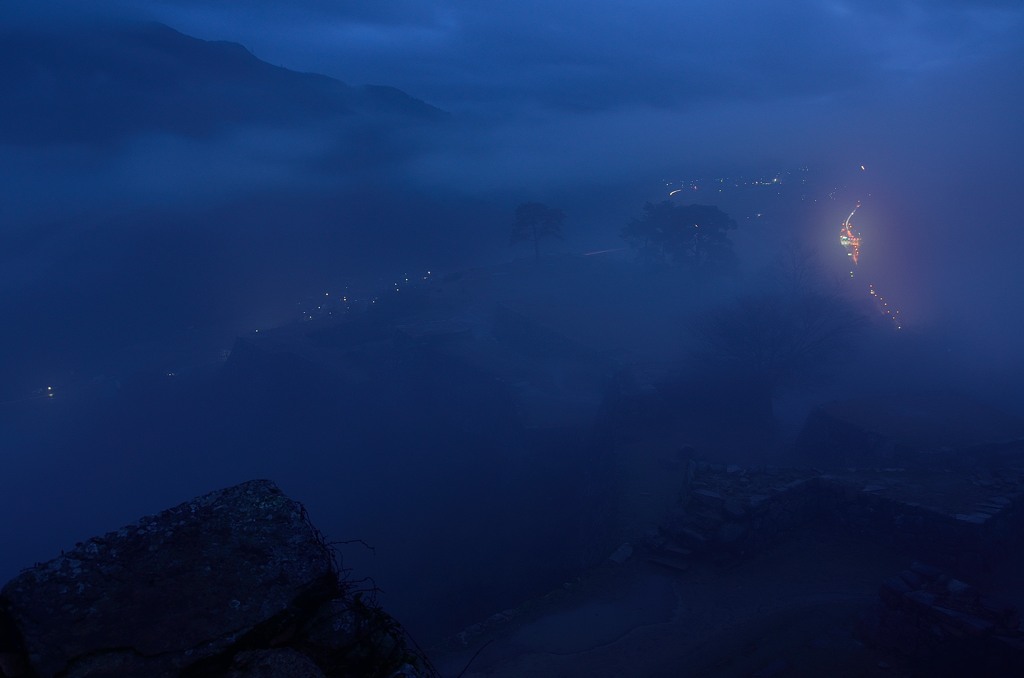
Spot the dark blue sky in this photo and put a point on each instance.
(574, 55)
(651, 83)
(569, 91)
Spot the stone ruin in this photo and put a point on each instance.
(934, 621)
(960, 522)
(945, 626)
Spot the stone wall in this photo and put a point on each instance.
(729, 511)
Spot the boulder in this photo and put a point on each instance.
(173, 590)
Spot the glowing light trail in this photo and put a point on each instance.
(890, 312)
(850, 240)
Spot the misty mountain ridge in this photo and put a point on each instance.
(135, 157)
(104, 84)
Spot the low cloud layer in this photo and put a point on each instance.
(590, 106)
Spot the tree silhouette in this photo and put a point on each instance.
(691, 236)
(534, 221)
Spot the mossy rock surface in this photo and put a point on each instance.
(159, 595)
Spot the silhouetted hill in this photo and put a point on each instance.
(99, 84)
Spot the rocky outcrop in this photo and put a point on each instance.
(237, 582)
